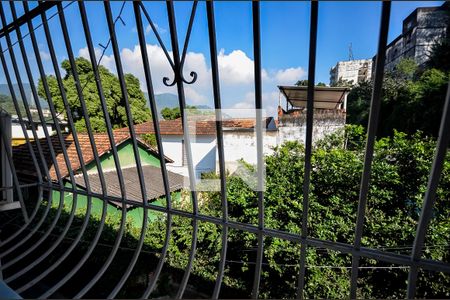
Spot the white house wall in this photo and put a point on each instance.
(203, 153)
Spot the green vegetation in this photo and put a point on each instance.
(150, 139)
(174, 113)
(413, 97)
(111, 91)
(400, 169)
(398, 183)
(410, 101)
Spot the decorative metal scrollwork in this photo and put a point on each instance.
(178, 70)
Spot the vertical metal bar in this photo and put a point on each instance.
(114, 152)
(430, 195)
(137, 158)
(371, 135)
(187, 144)
(220, 147)
(96, 238)
(308, 140)
(259, 144)
(165, 177)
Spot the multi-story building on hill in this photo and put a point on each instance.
(422, 29)
(352, 71)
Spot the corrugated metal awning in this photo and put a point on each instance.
(324, 97)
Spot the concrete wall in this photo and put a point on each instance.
(293, 128)
(242, 145)
(203, 149)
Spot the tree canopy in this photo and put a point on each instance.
(111, 89)
(412, 98)
(174, 113)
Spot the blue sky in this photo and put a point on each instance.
(285, 42)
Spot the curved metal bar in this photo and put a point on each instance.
(345, 248)
(19, 114)
(30, 234)
(39, 242)
(259, 144)
(114, 152)
(30, 78)
(53, 247)
(220, 147)
(187, 144)
(71, 124)
(64, 255)
(168, 83)
(193, 75)
(94, 242)
(150, 22)
(153, 108)
(33, 88)
(308, 141)
(375, 104)
(16, 71)
(25, 102)
(137, 158)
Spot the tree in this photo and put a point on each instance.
(174, 113)
(343, 83)
(440, 54)
(406, 69)
(410, 101)
(170, 113)
(303, 82)
(111, 89)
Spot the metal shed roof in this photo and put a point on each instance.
(324, 97)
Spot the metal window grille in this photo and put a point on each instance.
(44, 185)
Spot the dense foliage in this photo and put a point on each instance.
(111, 90)
(400, 169)
(412, 97)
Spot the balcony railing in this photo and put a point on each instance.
(13, 62)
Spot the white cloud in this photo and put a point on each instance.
(269, 102)
(44, 55)
(160, 29)
(235, 71)
(289, 76)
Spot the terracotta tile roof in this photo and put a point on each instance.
(25, 166)
(174, 127)
(153, 183)
(206, 126)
